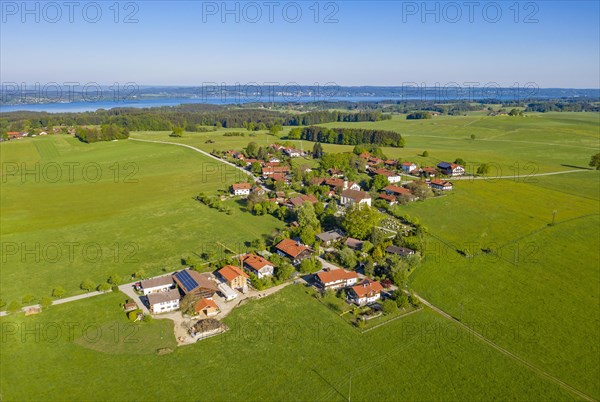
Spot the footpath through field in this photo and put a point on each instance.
(256, 180)
(506, 352)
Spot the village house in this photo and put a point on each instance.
(268, 171)
(451, 169)
(336, 278)
(390, 199)
(242, 189)
(351, 197)
(157, 285)
(366, 292)
(258, 265)
(301, 199)
(335, 172)
(234, 277)
(398, 191)
(293, 250)
(390, 162)
(409, 167)
(400, 251)
(327, 238)
(438, 184)
(193, 282)
(428, 172)
(292, 153)
(15, 135)
(392, 177)
(164, 302)
(207, 307)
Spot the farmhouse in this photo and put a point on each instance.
(328, 237)
(234, 277)
(396, 190)
(409, 167)
(390, 199)
(207, 307)
(401, 251)
(241, 189)
(336, 278)
(366, 292)
(451, 169)
(351, 197)
(443, 185)
(293, 153)
(301, 199)
(258, 265)
(193, 282)
(428, 172)
(271, 170)
(392, 177)
(293, 250)
(164, 302)
(157, 285)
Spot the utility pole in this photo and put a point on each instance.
(461, 309)
(553, 216)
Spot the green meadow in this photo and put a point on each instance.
(527, 284)
(72, 211)
(289, 339)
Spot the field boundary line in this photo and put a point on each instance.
(506, 352)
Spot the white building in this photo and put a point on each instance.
(242, 189)
(366, 292)
(227, 292)
(157, 285)
(164, 302)
(336, 278)
(409, 166)
(351, 197)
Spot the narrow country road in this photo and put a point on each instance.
(62, 301)
(256, 180)
(518, 177)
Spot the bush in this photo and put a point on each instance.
(115, 288)
(28, 298)
(14, 306)
(46, 302)
(87, 285)
(103, 287)
(132, 315)
(58, 291)
(425, 154)
(389, 306)
(147, 318)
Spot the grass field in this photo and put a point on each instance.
(538, 297)
(289, 339)
(90, 224)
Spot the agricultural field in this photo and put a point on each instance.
(306, 351)
(90, 210)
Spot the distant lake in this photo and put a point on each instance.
(75, 107)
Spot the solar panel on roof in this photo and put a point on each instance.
(186, 280)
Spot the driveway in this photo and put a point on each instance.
(130, 292)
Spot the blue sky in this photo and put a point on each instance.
(372, 43)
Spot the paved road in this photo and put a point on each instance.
(130, 292)
(241, 169)
(62, 301)
(517, 177)
(505, 352)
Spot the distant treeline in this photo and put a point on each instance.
(562, 106)
(348, 136)
(106, 132)
(190, 117)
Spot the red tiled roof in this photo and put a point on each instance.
(256, 262)
(385, 172)
(206, 303)
(367, 288)
(241, 186)
(387, 197)
(291, 248)
(230, 272)
(396, 189)
(439, 182)
(301, 199)
(336, 275)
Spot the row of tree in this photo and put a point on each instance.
(348, 136)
